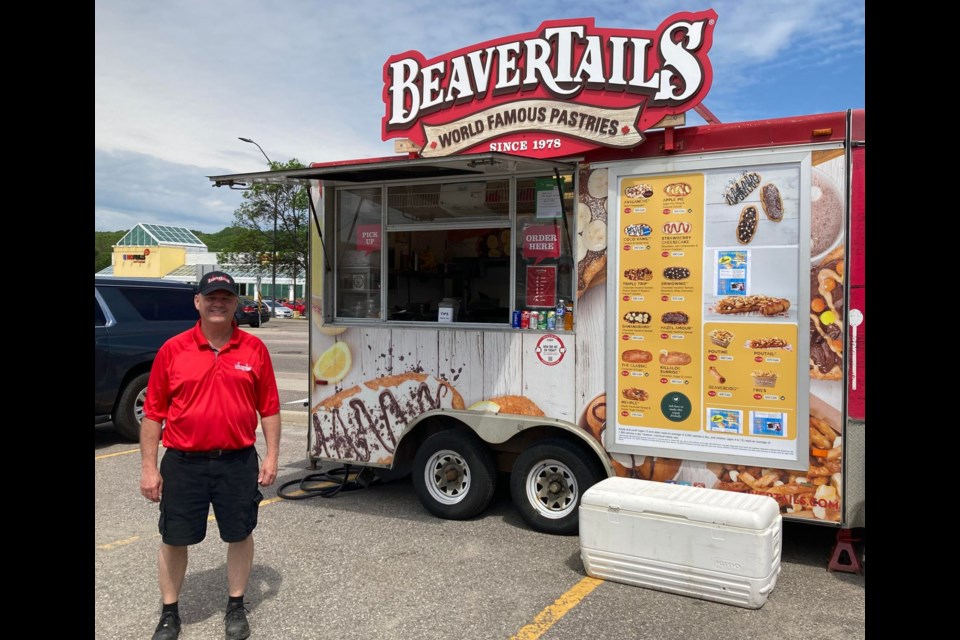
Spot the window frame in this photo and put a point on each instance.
(509, 221)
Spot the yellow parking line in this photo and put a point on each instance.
(118, 543)
(546, 618)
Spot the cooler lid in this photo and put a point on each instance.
(697, 504)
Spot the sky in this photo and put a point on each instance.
(178, 82)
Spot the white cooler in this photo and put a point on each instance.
(705, 543)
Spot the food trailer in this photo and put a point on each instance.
(556, 281)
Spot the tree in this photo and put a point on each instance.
(253, 243)
(103, 248)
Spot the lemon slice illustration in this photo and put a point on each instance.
(333, 364)
(485, 405)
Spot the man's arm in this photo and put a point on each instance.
(151, 483)
(271, 435)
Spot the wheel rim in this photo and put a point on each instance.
(138, 405)
(552, 489)
(447, 477)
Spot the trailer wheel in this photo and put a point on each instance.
(547, 484)
(454, 475)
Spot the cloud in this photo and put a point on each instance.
(134, 187)
(177, 82)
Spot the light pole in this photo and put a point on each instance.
(273, 261)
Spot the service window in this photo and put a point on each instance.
(454, 251)
(359, 226)
(543, 243)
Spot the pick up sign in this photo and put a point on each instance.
(541, 241)
(368, 237)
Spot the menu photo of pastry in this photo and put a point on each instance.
(757, 205)
(756, 304)
(827, 316)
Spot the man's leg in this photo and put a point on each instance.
(239, 565)
(172, 567)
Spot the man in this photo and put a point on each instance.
(208, 385)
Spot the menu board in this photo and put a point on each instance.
(542, 286)
(660, 311)
(706, 315)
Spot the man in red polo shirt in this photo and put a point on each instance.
(208, 388)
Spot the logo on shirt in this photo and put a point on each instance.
(240, 366)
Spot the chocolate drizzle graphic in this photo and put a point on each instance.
(367, 431)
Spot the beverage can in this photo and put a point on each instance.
(542, 321)
(551, 320)
(525, 319)
(515, 321)
(534, 319)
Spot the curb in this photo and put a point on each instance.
(293, 418)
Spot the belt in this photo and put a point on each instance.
(212, 453)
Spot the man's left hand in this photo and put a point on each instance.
(268, 473)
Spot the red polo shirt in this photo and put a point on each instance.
(210, 399)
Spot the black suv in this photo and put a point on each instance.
(133, 317)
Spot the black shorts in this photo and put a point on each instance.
(192, 484)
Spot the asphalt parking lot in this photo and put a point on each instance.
(372, 563)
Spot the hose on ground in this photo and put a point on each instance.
(327, 484)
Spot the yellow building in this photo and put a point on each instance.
(153, 251)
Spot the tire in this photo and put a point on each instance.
(130, 407)
(254, 323)
(547, 483)
(469, 475)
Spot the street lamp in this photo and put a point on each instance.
(273, 283)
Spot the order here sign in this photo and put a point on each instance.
(541, 241)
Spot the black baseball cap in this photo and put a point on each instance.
(217, 281)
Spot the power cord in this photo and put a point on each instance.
(328, 483)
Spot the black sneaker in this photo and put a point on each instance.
(169, 627)
(235, 622)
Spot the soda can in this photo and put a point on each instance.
(525, 319)
(534, 319)
(551, 320)
(542, 321)
(515, 322)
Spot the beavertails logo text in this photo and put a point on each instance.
(562, 89)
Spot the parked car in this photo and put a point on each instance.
(133, 317)
(250, 312)
(279, 311)
(296, 305)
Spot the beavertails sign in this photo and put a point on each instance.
(563, 89)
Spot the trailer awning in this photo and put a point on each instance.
(395, 169)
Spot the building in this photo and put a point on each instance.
(176, 253)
